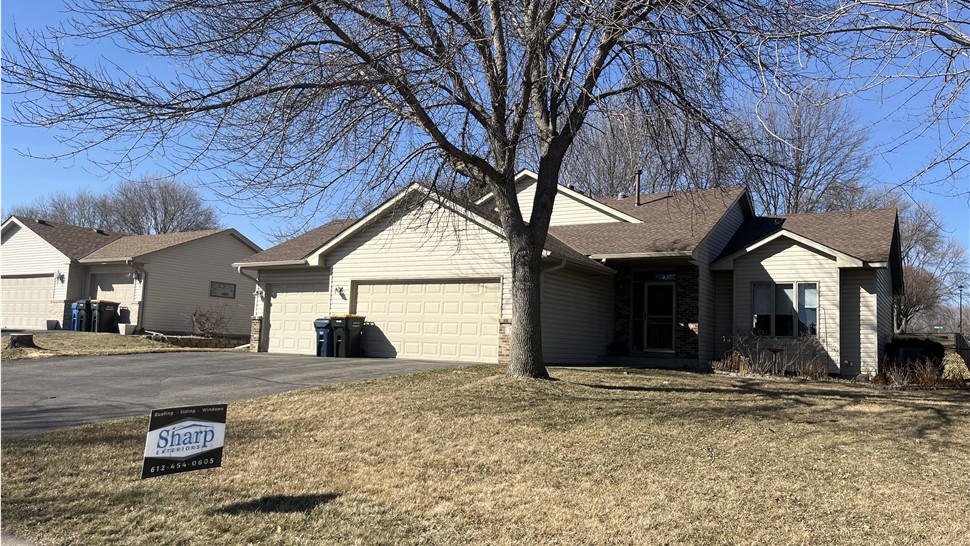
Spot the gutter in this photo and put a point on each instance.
(665, 254)
(256, 265)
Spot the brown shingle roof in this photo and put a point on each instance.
(672, 221)
(132, 246)
(72, 241)
(863, 234)
(301, 246)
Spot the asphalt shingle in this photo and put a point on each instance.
(863, 234)
(72, 241)
(131, 246)
(672, 221)
(302, 245)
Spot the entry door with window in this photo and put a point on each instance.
(653, 316)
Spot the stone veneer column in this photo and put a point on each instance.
(255, 334)
(504, 341)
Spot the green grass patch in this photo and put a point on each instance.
(468, 456)
(89, 344)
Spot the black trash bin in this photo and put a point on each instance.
(84, 318)
(346, 335)
(104, 315)
(324, 336)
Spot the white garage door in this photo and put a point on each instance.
(292, 309)
(117, 287)
(431, 320)
(25, 301)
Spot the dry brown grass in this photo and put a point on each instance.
(88, 344)
(470, 457)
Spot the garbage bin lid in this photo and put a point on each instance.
(320, 322)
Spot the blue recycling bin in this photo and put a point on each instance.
(74, 312)
(324, 336)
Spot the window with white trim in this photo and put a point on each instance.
(776, 311)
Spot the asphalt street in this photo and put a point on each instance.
(48, 394)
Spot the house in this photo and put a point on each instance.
(158, 280)
(671, 279)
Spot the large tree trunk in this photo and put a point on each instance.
(525, 359)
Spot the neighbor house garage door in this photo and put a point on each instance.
(431, 320)
(292, 310)
(25, 301)
(117, 287)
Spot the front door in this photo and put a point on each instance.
(653, 316)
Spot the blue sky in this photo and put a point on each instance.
(24, 179)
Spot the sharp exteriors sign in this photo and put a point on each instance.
(184, 439)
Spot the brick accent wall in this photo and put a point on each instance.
(504, 341)
(622, 312)
(687, 311)
(255, 334)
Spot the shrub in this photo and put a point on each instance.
(210, 322)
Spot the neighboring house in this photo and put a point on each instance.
(668, 279)
(158, 280)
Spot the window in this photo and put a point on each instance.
(774, 308)
(222, 289)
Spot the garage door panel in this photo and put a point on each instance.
(292, 310)
(26, 301)
(432, 320)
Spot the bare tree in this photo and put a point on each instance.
(83, 208)
(149, 205)
(296, 97)
(916, 53)
(934, 264)
(815, 157)
(671, 151)
(159, 205)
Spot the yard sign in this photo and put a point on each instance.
(184, 439)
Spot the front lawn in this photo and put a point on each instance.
(469, 457)
(88, 344)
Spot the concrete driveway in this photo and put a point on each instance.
(51, 393)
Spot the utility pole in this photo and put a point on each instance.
(960, 328)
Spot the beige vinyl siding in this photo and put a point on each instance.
(785, 261)
(577, 317)
(858, 312)
(708, 345)
(26, 253)
(566, 211)
(723, 312)
(428, 243)
(884, 310)
(177, 284)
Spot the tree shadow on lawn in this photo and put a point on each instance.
(279, 504)
(789, 401)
